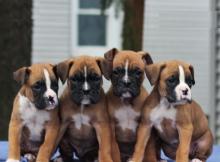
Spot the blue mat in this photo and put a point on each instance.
(215, 157)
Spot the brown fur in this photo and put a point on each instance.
(90, 141)
(19, 143)
(123, 141)
(195, 138)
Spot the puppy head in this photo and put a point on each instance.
(126, 71)
(174, 80)
(84, 78)
(40, 84)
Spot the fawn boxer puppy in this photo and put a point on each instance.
(34, 121)
(180, 122)
(125, 98)
(85, 121)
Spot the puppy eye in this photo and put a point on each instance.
(38, 86)
(95, 78)
(54, 85)
(190, 81)
(172, 79)
(138, 72)
(118, 71)
(77, 79)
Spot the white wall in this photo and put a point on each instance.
(51, 32)
(181, 30)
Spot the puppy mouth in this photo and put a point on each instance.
(51, 103)
(126, 95)
(85, 100)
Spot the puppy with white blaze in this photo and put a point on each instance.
(34, 120)
(181, 124)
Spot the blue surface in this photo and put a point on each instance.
(215, 157)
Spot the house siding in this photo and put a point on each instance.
(51, 32)
(217, 70)
(182, 30)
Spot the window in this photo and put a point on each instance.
(91, 31)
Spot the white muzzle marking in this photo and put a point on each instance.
(49, 92)
(183, 92)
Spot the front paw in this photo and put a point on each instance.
(30, 157)
(12, 160)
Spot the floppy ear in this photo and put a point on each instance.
(107, 63)
(153, 72)
(22, 75)
(62, 69)
(146, 57)
(101, 63)
(191, 69)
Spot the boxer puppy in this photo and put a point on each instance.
(180, 122)
(85, 121)
(125, 98)
(34, 120)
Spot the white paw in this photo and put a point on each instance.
(130, 160)
(59, 159)
(30, 157)
(196, 160)
(12, 160)
(162, 160)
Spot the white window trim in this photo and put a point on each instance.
(112, 39)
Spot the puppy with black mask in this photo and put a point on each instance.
(125, 97)
(34, 120)
(180, 122)
(85, 128)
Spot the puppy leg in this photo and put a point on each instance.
(185, 135)
(15, 128)
(143, 136)
(103, 132)
(150, 154)
(66, 151)
(202, 148)
(115, 149)
(47, 147)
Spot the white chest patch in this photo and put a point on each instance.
(33, 118)
(127, 118)
(80, 119)
(162, 111)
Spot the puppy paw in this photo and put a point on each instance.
(163, 160)
(30, 157)
(58, 159)
(12, 160)
(196, 160)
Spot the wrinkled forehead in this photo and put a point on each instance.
(41, 72)
(176, 68)
(87, 65)
(131, 59)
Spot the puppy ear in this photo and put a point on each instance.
(146, 57)
(22, 75)
(191, 69)
(62, 69)
(101, 63)
(54, 68)
(107, 63)
(153, 72)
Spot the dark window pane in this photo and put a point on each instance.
(89, 3)
(92, 30)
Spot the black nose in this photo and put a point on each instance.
(127, 82)
(51, 99)
(185, 92)
(85, 91)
